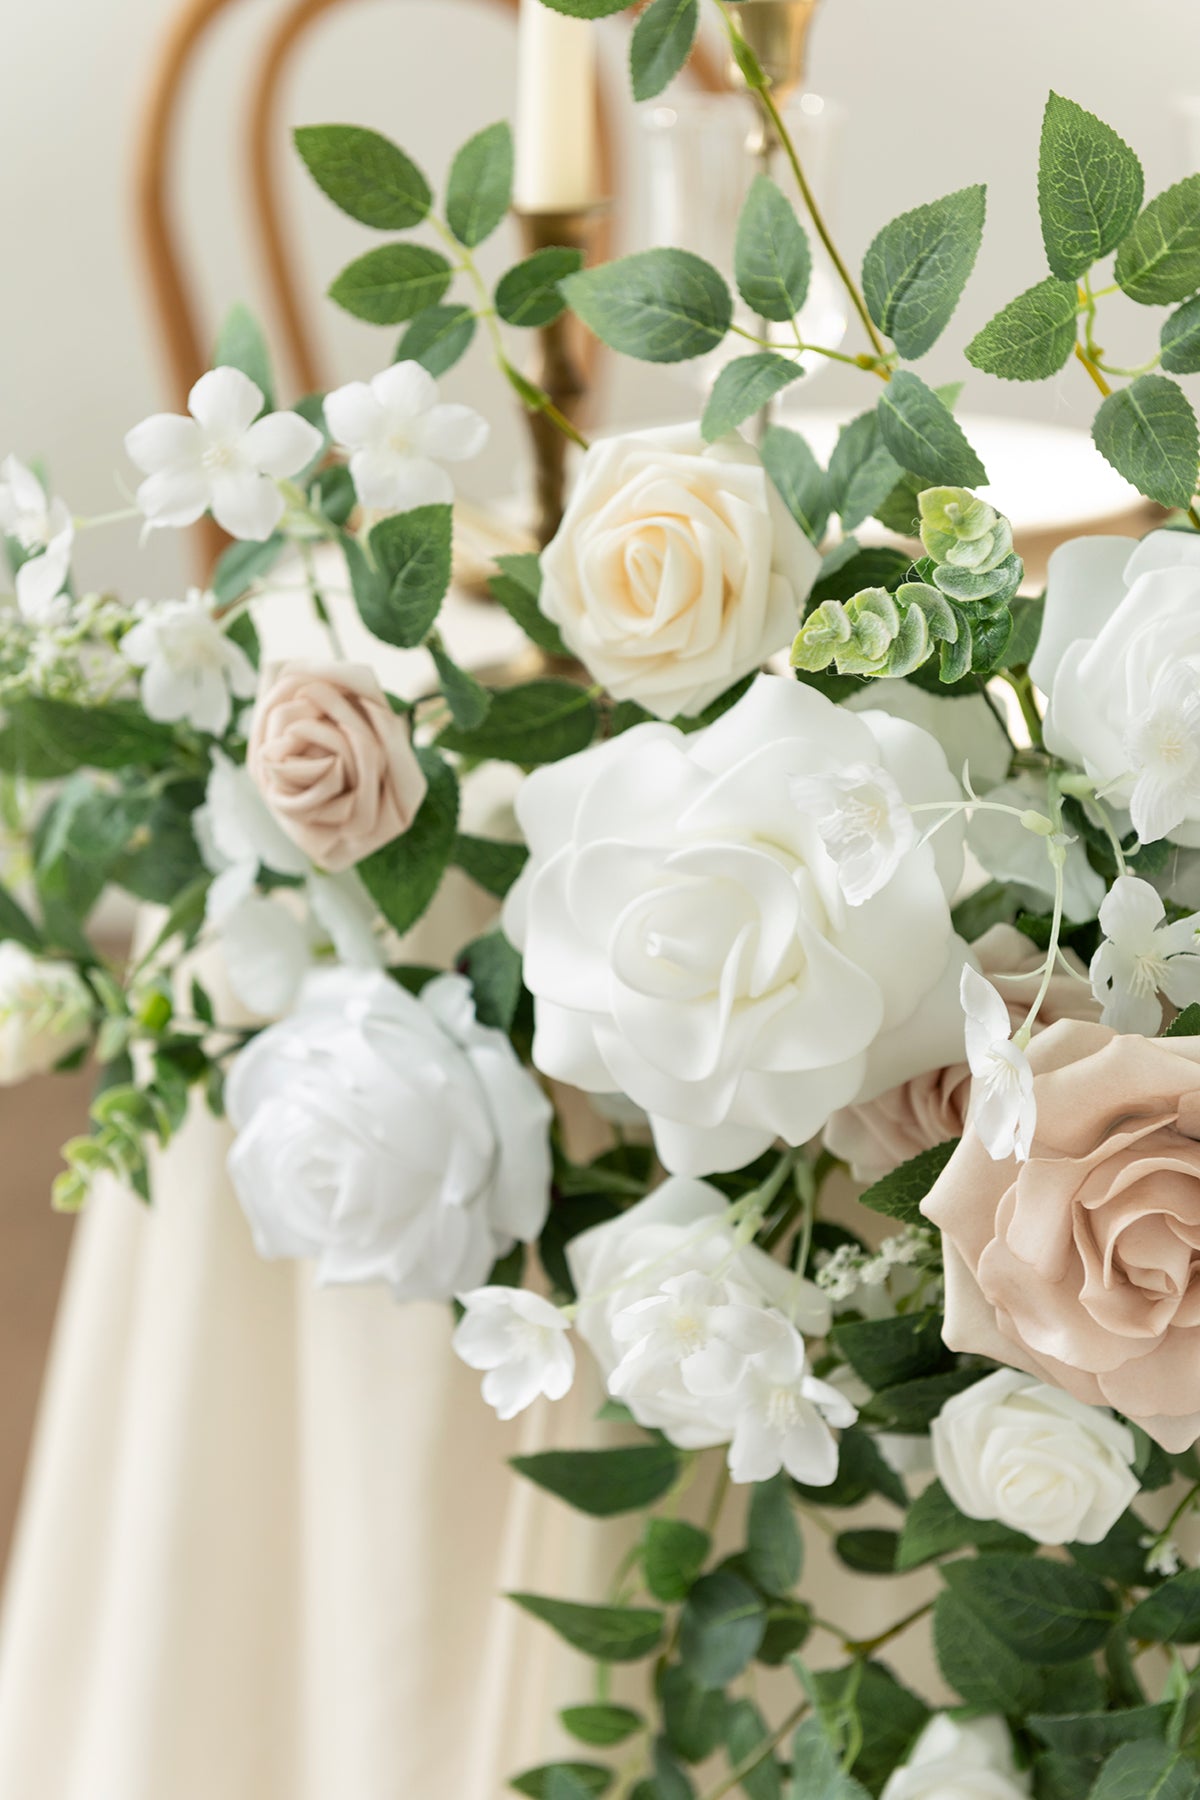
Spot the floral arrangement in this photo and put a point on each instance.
(884, 967)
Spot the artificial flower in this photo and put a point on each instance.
(389, 1137)
(688, 943)
(398, 434)
(44, 532)
(1012, 1449)
(1003, 1109)
(46, 1011)
(521, 1340)
(1142, 957)
(960, 1759)
(1013, 854)
(863, 822)
(677, 568)
(664, 1332)
(191, 668)
(1163, 746)
(225, 459)
(237, 835)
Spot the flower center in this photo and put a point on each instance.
(219, 458)
(782, 1409)
(687, 1328)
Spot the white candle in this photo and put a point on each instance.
(556, 111)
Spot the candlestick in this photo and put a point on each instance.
(777, 32)
(556, 112)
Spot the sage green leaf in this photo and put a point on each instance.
(245, 563)
(799, 478)
(772, 260)
(1032, 337)
(1148, 432)
(392, 284)
(1181, 340)
(910, 1406)
(1097, 1733)
(1046, 1612)
(868, 1551)
(923, 435)
(603, 1483)
(42, 738)
(693, 1716)
(980, 1668)
(661, 306)
(607, 1633)
(529, 294)
(743, 387)
(467, 698)
(774, 1545)
(493, 967)
(601, 1726)
(538, 722)
(438, 338)
(673, 1554)
(587, 9)
(242, 344)
(817, 1773)
(365, 174)
(899, 1194)
(1185, 1024)
(1090, 187)
(662, 42)
(934, 1526)
(915, 270)
(404, 876)
(884, 1351)
(1159, 262)
(862, 471)
(1170, 1615)
(480, 189)
(15, 924)
(1146, 1771)
(516, 588)
(400, 597)
(746, 1731)
(721, 1627)
(563, 1781)
(493, 866)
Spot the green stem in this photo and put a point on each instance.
(1022, 687)
(870, 363)
(864, 1648)
(1083, 357)
(759, 1754)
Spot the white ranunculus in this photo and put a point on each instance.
(688, 941)
(960, 1759)
(677, 568)
(675, 1232)
(1015, 1450)
(46, 1011)
(1119, 658)
(391, 1138)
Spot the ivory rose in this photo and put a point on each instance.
(333, 762)
(960, 1759)
(1082, 1265)
(46, 1011)
(688, 942)
(677, 568)
(931, 1107)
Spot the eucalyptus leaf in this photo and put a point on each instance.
(392, 284)
(917, 267)
(774, 1545)
(720, 1628)
(659, 305)
(746, 1732)
(662, 42)
(1032, 337)
(743, 388)
(1090, 187)
(366, 175)
(1148, 432)
(693, 1716)
(772, 259)
(480, 188)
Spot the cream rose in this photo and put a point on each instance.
(1012, 1449)
(688, 942)
(1082, 1265)
(932, 1107)
(333, 762)
(46, 1011)
(677, 568)
(960, 1759)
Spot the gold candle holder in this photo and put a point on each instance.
(559, 367)
(777, 32)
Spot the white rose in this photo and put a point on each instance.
(676, 1231)
(392, 1138)
(955, 1759)
(46, 1012)
(1013, 1449)
(688, 941)
(677, 568)
(1119, 658)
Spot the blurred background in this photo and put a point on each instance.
(925, 89)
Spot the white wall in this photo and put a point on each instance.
(939, 96)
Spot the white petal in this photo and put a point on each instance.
(982, 1005)
(247, 506)
(165, 441)
(1085, 583)
(174, 496)
(225, 402)
(353, 416)
(266, 955)
(450, 433)
(1131, 912)
(389, 482)
(405, 391)
(281, 444)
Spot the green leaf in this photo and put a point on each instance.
(15, 924)
(469, 701)
(862, 471)
(911, 1406)
(884, 1351)
(774, 1545)
(493, 967)
(743, 387)
(517, 588)
(1090, 187)
(745, 1732)
(862, 1471)
(934, 1527)
(662, 42)
(1046, 1612)
(799, 478)
(720, 1628)
(1181, 340)
(538, 722)
(563, 1781)
(530, 294)
(899, 1195)
(1159, 262)
(603, 1483)
(1096, 1733)
(673, 1554)
(1170, 1615)
(399, 600)
(660, 305)
(1148, 432)
(601, 1726)
(883, 1716)
(404, 876)
(392, 284)
(875, 566)
(916, 269)
(923, 435)
(241, 344)
(43, 739)
(1147, 1771)
(1186, 1023)
(976, 1664)
(693, 1716)
(607, 1633)
(365, 174)
(244, 563)
(1032, 337)
(868, 1551)
(492, 865)
(587, 9)
(438, 338)
(817, 1773)
(772, 260)
(480, 189)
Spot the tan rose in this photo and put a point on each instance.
(880, 1135)
(333, 762)
(1082, 1265)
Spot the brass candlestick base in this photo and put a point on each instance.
(777, 32)
(559, 367)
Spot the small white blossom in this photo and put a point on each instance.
(663, 1332)
(46, 1009)
(398, 433)
(839, 1274)
(521, 1340)
(1163, 745)
(863, 822)
(1003, 1107)
(190, 666)
(224, 458)
(1162, 1555)
(45, 532)
(1141, 957)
